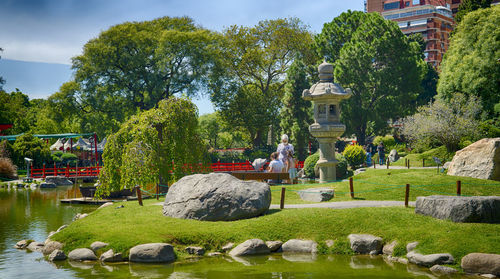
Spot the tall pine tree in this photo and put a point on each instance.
(296, 114)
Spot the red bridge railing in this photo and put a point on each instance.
(94, 171)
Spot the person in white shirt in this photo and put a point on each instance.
(275, 166)
(284, 148)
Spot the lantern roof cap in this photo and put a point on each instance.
(326, 88)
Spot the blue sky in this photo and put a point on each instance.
(53, 31)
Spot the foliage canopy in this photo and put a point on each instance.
(155, 146)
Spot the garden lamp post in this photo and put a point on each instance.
(326, 97)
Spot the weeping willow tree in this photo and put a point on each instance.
(159, 145)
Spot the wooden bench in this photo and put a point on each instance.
(261, 176)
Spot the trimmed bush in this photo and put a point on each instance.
(309, 165)
(7, 168)
(387, 140)
(355, 155)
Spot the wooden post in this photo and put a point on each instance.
(55, 169)
(67, 169)
(43, 170)
(95, 149)
(282, 201)
(407, 194)
(139, 194)
(157, 191)
(408, 163)
(423, 163)
(459, 188)
(351, 187)
(438, 168)
(388, 163)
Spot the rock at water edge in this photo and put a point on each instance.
(111, 256)
(274, 245)
(195, 250)
(152, 253)
(481, 263)
(82, 254)
(300, 246)
(365, 243)
(429, 260)
(389, 248)
(96, 245)
(57, 255)
(50, 246)
(250, 247)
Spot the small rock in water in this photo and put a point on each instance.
(389, 248)
(365, 243)
(111, 256)
(214, 254)
(429, 260)
(300, 246)
(49, 236)
(57, 255)
(80, 216)
(50, 246)
(23, 244)
(152, 253)
(487, 275)
(35, 246)
(250, 247)
(82, 254)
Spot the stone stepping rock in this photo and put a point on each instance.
(152, 253)
(316, 194)
(50, 246)
(35, 246)
(194, 250)
(23, 244)
(250, 247)
(274, 246)
(97, 245)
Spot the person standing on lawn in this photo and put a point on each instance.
(283, 148)
(381, 153)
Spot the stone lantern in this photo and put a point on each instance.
(326, 97)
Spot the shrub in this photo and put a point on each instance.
(68, 157)
(388, 141)
(341, 169)
(7, 168)
(29, 146)
(355, 155)
(309, 165)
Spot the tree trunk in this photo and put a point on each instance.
(361, 135)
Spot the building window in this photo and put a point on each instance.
(391, 6)
(407, 4)
(415, 2)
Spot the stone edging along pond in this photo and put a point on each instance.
(477, 263)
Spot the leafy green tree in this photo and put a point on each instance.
(248, 85)
(29, 146)
(380, 64)
(210, 129)
(153, 147)
(447, 122)
(296, 113)
(468, 6)
(132, 66)
(471, 65)
(15, 108)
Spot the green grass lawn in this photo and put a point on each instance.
(425, 159)
(126, 227)
(383, 184)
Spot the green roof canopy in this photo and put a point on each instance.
(49, 136)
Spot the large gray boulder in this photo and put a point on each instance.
(316, 194)
(216, 197)
(460, 209)
(300, 246)
(58, 180)
(250, 247)
(365, 243)
(481, 263)
(429, 260)
(82, 254)
(152, 253)
(479, 160)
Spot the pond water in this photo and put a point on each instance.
(32, 214)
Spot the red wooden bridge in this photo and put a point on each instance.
(94, 171)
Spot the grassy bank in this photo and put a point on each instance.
(126, 227)
(426, 158)
(383, 184)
